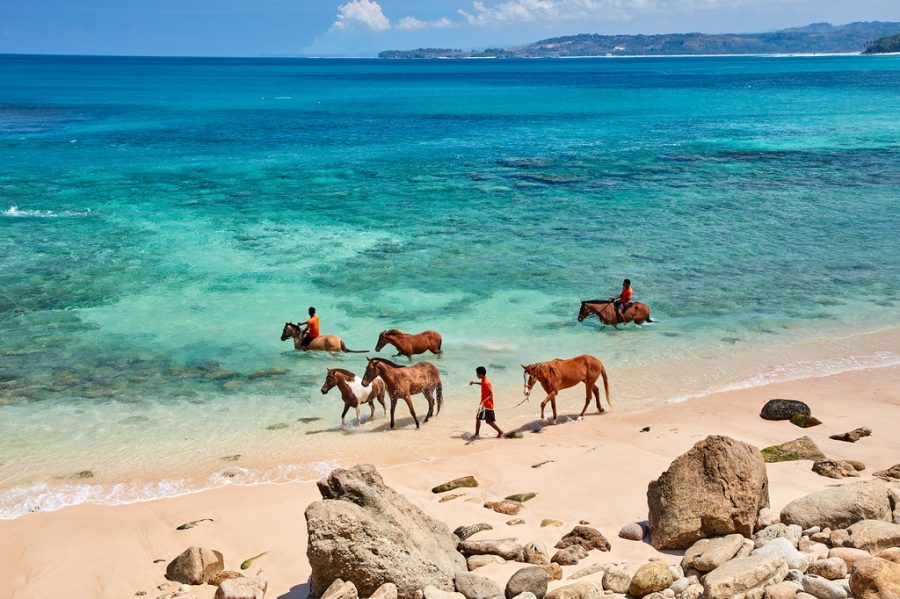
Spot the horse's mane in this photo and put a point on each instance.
(387, 362)
(393, 332)
(545, 371)
(344, 371)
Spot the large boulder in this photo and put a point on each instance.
(717, 488)
(875, 578)
(533, 579)
(839, 507)
(783, 409)
(474, 586)
(195, 565)
(744, 578)
(708, 554)
(366, 533)
(874, 535)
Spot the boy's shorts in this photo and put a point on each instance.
(486, 415)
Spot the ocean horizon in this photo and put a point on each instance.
(161, 218)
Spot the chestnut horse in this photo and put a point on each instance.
(408, 344)
(556, 375)
(406, 381)
(329, 343)
(605, 310)
(353, 392)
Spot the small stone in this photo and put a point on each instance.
(217, 579)
(783, 548)
(790, 532)
(782, 590)
(799, 449)
(577, 590)
(833, 568)
(464, 532)
(510, 508)
(766, 517)
(821, 537)
(450, 497)
(708, 554)
(184, 588)
(650, 578)
(515, 522)
(473, 562)
(586, 536)
(873, 535)
(632, 532)
(554, 571)
(195, 565)
(849, 555)
(822, 589)
(533, 579)
(508, 549)
(892, 473)
(694, 591)
(783, 409)
(550, 522)
(431, 592)
(569, 556)
(616, 580)
(525, 595)
(815, 551)
(536, 553)
(521, 497)
(278, 426)
(592, 569)
(834, 468)
(539, 464)
(853, 436)
(465, 481)
(386, 591)
(340, 589)
(473, 586)
(859, 466)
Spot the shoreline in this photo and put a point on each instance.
(443, 436)
(617, 458)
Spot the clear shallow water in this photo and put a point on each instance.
(160, 219)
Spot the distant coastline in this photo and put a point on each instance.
(815, 39)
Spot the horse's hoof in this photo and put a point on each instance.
(580, 418)
(544, 421)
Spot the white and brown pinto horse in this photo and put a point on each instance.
(329, 343)
(353, 392)
(408, 344)
(406, 381)
(605, 310)
(556, 375)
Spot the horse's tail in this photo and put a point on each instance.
(440, 396)
(352, 351)
(605, 384)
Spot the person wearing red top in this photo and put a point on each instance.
(312, 329)
(624, 299)
(486, 407)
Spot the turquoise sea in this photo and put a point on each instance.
(161, 219)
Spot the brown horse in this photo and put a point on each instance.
(605, 310)
(329, 343)
(406, 381)
(353, 392)
(408, 344)
(556, 375)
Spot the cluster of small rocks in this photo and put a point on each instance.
(199, 566)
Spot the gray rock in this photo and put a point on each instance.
(616, 580)
(716, 488)
(457, 483)
(474, 586)
(464, 532)
(536, 553)
(833, 568)
(532, 579)
(508, 549)
(874, 535)
(592, 569)
(839, 507)
(744, 578)
(246, 587)
(782, 547)
(708, 554)
(682, 584)
(578, 590)
(822, 589)
(783, 409)
(195, 565)
(853, 436)
(474, 562)
(694, 591)
(834, 468)
(367, 533)
(791, 532)
(632, 532)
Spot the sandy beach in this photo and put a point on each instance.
(595, 470)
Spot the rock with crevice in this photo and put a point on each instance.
(616, 580)
(892, 473)
(822, 588)
(195, 565)
(535, 553)
(791, 532)
(569, 556)
(832, 568)
(717, 488)
(875, 578)
(874, 535)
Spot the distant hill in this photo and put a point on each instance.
(818, 38)
(884, 45)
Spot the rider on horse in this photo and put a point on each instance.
(624, 299)
(312, 328)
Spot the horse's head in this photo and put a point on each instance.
(584, 312)
(382, 340)
(330, 381)
(371, 372)
(528, 378)
(289, 330)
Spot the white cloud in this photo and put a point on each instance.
(414, 23)
(361, 13)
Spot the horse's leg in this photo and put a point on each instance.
(346, 409)
(372, 405)
(553, 407)
(597, 395)
(587, 400)
(356, 407)
(381, 401)
(429, 395)
(551, 398)
(393, 407)
(412, 410)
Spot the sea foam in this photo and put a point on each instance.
(15, 212)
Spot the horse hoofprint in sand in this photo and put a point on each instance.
(353, 392)
(406, 381)
(556, 375)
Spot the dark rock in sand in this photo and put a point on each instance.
(533, 579)
(718, 487)
(521, 497)
(464, 532)
(799, 449)
(834, 468)
(465, 481)
(805, 421)
(365, 532)
(475, 586)
(585, 536)
(569, 556)
(193, 523)
(83, 474)
(891, 473)
(539, 464)
(783, 409)
(853, 436)
(245, 565)
(231, 458)
(278, 426)
(510, 508)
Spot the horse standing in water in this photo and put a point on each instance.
(556, 375)
(605, 310)
(406, 381)
(353, 392)
(408, 344)
(329, 343)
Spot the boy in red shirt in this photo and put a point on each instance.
(486, 407)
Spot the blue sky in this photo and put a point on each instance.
(363, 27)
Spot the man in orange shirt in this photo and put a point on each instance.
(621, 302)
(486, 407)
(312, 329)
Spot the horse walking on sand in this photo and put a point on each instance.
(406, 381)
(329, 343)
(353, 392)
(556, 375)
(605, 310)
(408, 344)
